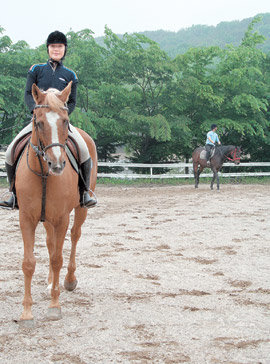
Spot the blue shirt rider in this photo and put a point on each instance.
(211, 139)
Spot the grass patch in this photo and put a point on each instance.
(4, 182)
(180, 181)
(168, 181)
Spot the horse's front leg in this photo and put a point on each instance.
(79, 218)
(213, 179)
(55, 241)
(217, 181)
(28, 228)
(50, 247)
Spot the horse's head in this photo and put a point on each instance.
(50, 123)
(235, 154)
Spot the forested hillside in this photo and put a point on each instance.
(132, 94)
(204, 36)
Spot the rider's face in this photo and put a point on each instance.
(56, 51)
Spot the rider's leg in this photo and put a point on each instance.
(208, 148)
(84, 184)
(85, 169)
(11, 168)
(12, 201)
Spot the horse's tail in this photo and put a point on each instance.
(195, 156)
(93, 153)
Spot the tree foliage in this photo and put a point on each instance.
(132, 93)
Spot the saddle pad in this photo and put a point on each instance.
(72, 150)
(19, 147)
(203, 153)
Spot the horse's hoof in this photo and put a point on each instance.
(70, 286)
(54, 313)
(26, 324)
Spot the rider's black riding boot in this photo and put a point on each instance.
(84, 184)
(12, 202)
(208, 152)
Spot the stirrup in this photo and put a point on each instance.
(11, 203)
(91, 201)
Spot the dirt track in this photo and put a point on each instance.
(166, 275)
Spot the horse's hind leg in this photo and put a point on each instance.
(197, 177)
(197, 171)
(195, 168)
(79, 218)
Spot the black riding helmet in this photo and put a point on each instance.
(57, 37)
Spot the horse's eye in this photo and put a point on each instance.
(40, 125)
(66, 123)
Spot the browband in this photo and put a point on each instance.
(47, 106)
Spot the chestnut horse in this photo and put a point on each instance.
(48, 140)
(221, 154)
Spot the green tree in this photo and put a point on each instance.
(240, 80)
(191, 99)
(142, 69)
(14, 63)
(97, 103)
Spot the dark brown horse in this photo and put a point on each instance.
(46, 158)
(221, 154)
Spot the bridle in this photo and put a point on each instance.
(234, 156)
(40, 151)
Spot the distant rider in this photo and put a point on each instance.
(212, 138)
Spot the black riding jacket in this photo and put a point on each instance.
(47, 76)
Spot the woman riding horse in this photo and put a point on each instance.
(53, 75)
(46, 185)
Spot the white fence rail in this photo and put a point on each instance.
(176, 170)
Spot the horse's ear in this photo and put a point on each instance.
(65, 93)
(37, 94)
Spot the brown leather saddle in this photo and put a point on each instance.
(72, 150)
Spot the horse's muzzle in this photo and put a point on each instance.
(56, 168)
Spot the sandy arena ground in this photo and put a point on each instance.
(166, 275)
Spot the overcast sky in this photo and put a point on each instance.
(33, 20)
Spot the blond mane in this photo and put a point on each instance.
(52, 99)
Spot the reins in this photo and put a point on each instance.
(40, 151)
